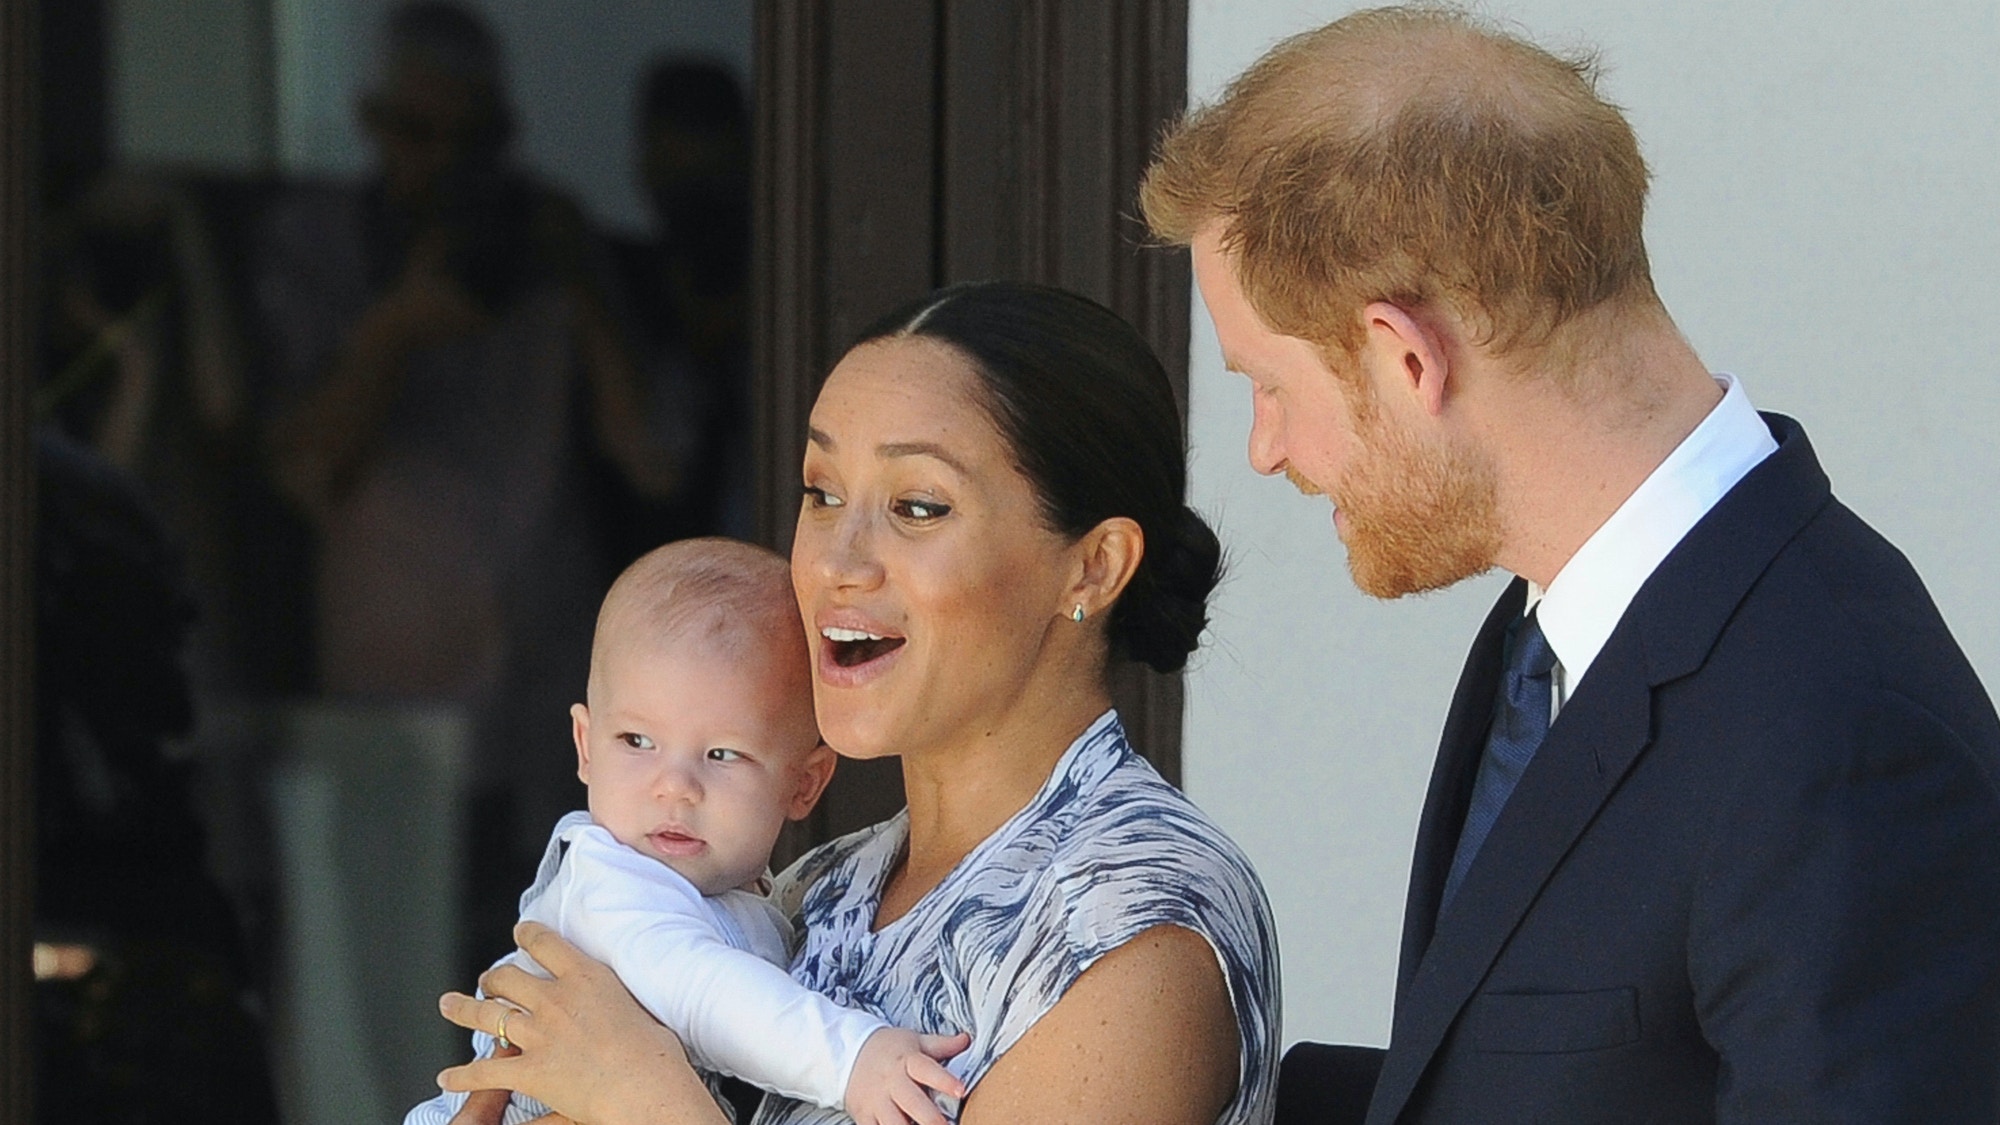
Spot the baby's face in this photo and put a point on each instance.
(697, 758)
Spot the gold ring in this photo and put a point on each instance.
(500, 1040)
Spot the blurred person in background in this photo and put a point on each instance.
(148, 369)
(144, 1011)
(687, 299)
(442, 350)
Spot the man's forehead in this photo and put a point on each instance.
(1210, 249)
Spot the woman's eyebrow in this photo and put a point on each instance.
(887, 450)
(921, 449)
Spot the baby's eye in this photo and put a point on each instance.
(636, 741)
(921, 511)
(821, 498)
(723, 754)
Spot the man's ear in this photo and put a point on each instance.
(1411, 351)
(813, 774)
(579, 730)
(1107, 556)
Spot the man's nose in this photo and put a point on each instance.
(1267, 447)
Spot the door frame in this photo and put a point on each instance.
(19, 186)
(901, 145)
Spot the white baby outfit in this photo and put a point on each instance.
(710, 967)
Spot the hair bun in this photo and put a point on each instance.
(1160, 619)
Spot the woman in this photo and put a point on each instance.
(992, 514)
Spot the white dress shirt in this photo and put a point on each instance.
(1583, 605)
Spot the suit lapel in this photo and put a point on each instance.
(1666, 633)
(1464, 739)
(1588, 750)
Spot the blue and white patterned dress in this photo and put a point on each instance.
(1105, 851)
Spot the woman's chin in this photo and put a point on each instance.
(855, 726)
(845, 728)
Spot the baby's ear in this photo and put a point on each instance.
(579, 730)
(814, 771)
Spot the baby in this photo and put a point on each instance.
(697, 743)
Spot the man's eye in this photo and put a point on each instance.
(723, 754)
(921, 510)
(636, 741)
(821, 498)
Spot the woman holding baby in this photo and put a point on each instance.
(992, 514)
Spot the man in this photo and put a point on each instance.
(443, 363)
(1714, 830)
(686, 290)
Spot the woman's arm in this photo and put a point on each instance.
(588, 1049)
(1146, 1036)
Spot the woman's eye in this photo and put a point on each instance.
(921, 511)
(636, 741)
(821, 498)
(723, 754)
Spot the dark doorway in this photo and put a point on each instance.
(900, 145)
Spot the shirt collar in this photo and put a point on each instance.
(1583, 605)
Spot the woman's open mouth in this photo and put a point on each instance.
(852, 648)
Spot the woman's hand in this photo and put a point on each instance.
(588, 1050)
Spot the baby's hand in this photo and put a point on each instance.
(887, 1086)
(486, 1107)
(482, 1107)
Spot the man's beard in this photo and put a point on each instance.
(1417, 517)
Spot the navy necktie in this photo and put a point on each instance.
(1520, 721)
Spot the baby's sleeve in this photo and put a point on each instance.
(736, 1012)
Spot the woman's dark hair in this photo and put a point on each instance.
(1090, 417)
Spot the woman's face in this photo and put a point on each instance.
(929, 583)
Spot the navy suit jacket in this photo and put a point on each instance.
(1752, 874)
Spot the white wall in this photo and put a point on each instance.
(574, 69)
(1825, 222)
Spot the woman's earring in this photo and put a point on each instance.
(1076, 614)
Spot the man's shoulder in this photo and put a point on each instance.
(1836, 635)
(1781, 564)
(1851, 601)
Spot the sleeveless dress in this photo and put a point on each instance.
(1105, 851)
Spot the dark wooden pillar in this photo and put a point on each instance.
(846, 199)
(1049, 111)
(908, 144)
(18, 186)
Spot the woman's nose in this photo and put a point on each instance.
(845, 557)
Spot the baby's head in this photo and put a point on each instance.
(697, 739)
